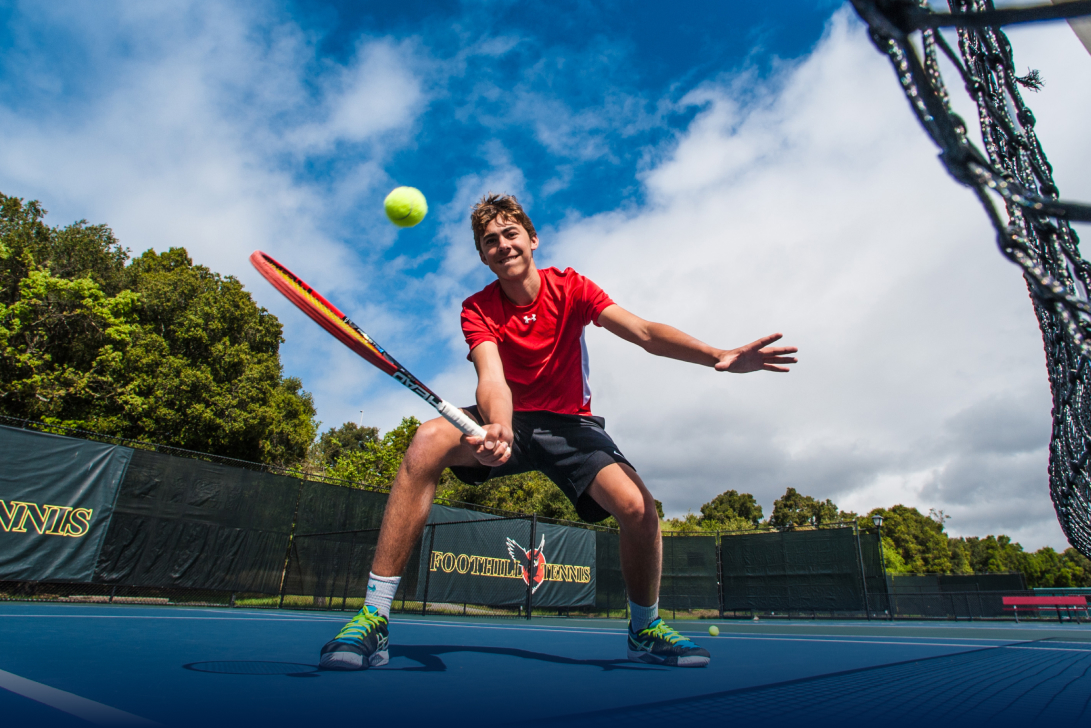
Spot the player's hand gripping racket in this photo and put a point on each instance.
(328, 317)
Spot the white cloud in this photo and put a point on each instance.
(815, 205)
(378, 93)
(187, 124)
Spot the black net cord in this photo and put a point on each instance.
(532, 564)
(291, 543)
(348, 571)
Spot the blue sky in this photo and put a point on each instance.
(729, 168)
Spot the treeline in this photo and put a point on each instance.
(156, 348)
(153, 348)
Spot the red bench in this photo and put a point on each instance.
(1038, 603)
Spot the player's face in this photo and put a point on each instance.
(507, 248)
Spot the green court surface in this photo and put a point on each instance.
(72, 665)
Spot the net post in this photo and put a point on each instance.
(720, 573)
(531, 562)
(428, 569)
(863, 577)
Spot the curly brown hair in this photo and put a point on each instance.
(493, 206)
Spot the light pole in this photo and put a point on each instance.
(877, 519)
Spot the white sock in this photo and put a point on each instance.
(640, 617)
(380, 592)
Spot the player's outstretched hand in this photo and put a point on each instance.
(495, 448)
(758, 356)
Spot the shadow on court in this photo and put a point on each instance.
(427, 657)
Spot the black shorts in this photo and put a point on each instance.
(570, 450)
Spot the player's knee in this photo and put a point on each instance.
(433, 441)
(637, 514)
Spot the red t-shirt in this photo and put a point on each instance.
(541, 344)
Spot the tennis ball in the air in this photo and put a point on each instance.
(714, 630)
(405, 206)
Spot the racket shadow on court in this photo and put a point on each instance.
(427, 657)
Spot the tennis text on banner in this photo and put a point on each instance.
(47, 520)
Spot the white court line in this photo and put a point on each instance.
(776, 638)
(833, 639)
(88, 710)
(1047, 649)
(192, 619)
(554, 630)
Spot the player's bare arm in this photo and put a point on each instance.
(494, 403)
(664, 340)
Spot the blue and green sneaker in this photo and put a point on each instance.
(362, 643)
(658, 644)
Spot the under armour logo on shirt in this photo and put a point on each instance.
(530, 318)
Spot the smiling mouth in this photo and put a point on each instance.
(508, 259)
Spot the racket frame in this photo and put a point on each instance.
(329, 317)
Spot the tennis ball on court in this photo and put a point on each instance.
(405, 206)
(714, 630)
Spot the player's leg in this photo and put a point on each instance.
(363, 641)
(621, 492)
(435, 447)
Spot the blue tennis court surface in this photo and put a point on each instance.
(63, 664)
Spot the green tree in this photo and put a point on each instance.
(524, 493)
(65, 320)
(160, 349)
(892, 558)
(1047, 568)
(337, 441)
(917, 539)
(795, 509)
(730, 507)
(375, 462)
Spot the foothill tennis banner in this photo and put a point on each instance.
(57, 497)
(477, 558)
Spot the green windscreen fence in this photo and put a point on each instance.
(180, 522)
(57, 497)
(875, 580)
(788, 571)
(975, 596)
(324, 568)
(610, 592)
(475, 558)
(115, 519)
(689, 572)
(337, 529)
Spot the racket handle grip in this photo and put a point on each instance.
(460, 419)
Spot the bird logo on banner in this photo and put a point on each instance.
(535, 558)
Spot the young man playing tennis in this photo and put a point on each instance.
(525, 333)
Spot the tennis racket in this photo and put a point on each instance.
(328, 317)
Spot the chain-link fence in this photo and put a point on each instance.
(188, 530)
